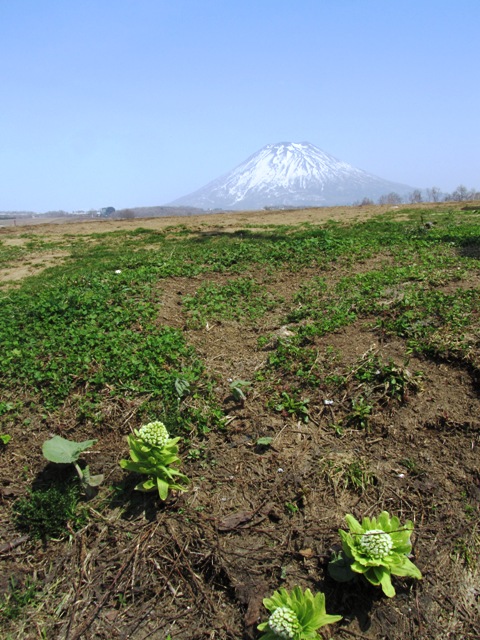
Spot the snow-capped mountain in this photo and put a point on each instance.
(291, 174)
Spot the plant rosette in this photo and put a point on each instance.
(377, 549)
(295, 616)
(153, 453)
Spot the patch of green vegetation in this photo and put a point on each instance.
(360, 413)
(45, 512)
(432, 321)
(10, 253)
(237, 299)
(290, 404)
(17, 598)
(303, 362)
(387, 380)
(84, 335)
(88, 329)
(16, 253)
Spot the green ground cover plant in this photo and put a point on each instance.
(239, 298)
(17, 598)
(82, 335)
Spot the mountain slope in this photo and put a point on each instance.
(292, 174)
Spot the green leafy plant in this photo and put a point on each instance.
(294, 407)
(153, 453)
(237, 388)
(5, 438)
(238, 298)
(376, 549)
(291, 508)
(62, 451)
(360, 414)
(296, 615)
(182, 387)
(390, 380)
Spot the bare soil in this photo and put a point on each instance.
(260, 517)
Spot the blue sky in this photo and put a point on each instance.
(138, 102)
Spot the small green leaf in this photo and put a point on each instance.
(162, 488)
(182, 387)
(339, 568)
(95, 481)
(238, 394)
(147, 485)
(264, 442)
(5, 438)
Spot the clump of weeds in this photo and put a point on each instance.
(347, 474)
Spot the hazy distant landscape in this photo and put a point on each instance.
(279, 176)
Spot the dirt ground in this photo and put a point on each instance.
(257, 518)
(225, 221)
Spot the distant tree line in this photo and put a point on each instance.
(434, 194)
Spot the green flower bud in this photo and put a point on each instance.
(154, 433)
(376, 543)
(284, 623)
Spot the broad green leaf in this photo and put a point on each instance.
(63, 451)
(182, 387)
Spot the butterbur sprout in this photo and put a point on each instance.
(295, 616)
(377, 549)
(154, 454)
